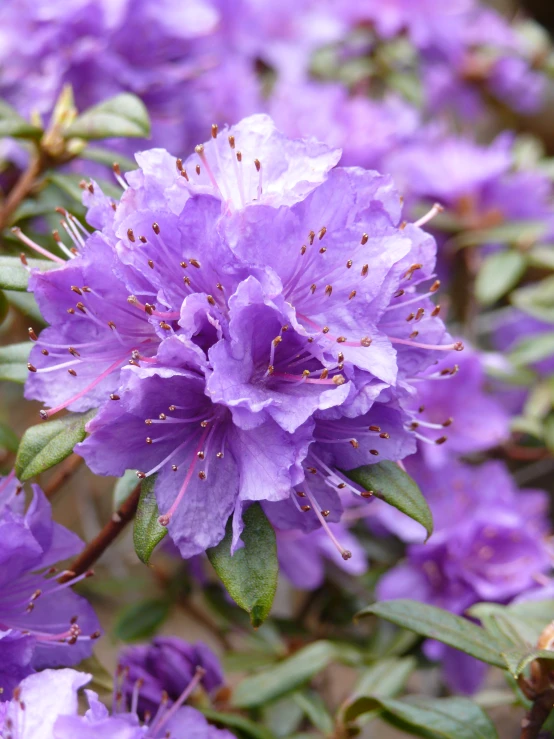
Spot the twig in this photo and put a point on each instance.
(100, 543)
(21, 189)
(540, 710)
(65, 471)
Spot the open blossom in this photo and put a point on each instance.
(45, 706)
(276, 318)
(165, 666)
(43, 623)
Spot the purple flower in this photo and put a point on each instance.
(452, 403)
(166, 665)
(514, 81)
(42, 622)
(45, 706)
(514, 327)
(302, 557)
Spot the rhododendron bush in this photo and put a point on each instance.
(277, 370)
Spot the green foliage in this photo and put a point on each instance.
(121, 116)
(13, 362)
(499, 273)
(14, 276)
(147, 532)
(142, 620)
(46, 444)
(250, 574)
(123, 488)
(390, 483)
(12, 124)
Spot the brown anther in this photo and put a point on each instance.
(328, 290)
(149, 308)
(112, 325)
(410, 317)
(325, 330)
(71, 311)
(313, 288)
(197, 168)
(384, 435)
(270, 369)
(367, 493)
(277, 340)
(365, 270)
(81, 307)
(310, 339)
(414, 425)
(340, 357)
(23, 259)
(219, 286)
(45, 352)
(219, 455)
(195, 263)
(349, 264)
(165, 326)
(148, 421)
(306, 508)
(364, 240)
(151, 263)
(303, 249)
(86, 289)
(355, 443)
(285, 327)
(199, 149)
(32, 334)
(322, 232)
(436, 310)
(56, 236)
(311, 237)
(72, 372)
(414, 335)
(325, 513)
(341, 485)
(200, 455)
(458, 346)
(132, 299)
(179, 164)
(162, 416)
(300, 494)
(204, 424)
(31, 367)
(352, 295)
(403, 225)
(76, 289)
(441, 440)
(312, 470)
(375, 428)
(210, 299)
(411, 270)
(346, 555)
(73, 351)
(174, 467)
(340, 366)
(214, 130)
(435, 286)
(324, 374)
(114, 206)
(202, 475)
(323, 250)
(306, 373)
(239, 156)
(257, 164)
(186, 280)
(185, 175)
(399, 293)
(448, 422)
(366, 341)
(420, 313)
(142, 239)
(338, 380)
(148, 440)
(156, 229)
(374, 452)
(113, 396)
(131, 235)
(116, 169)
(231, 140)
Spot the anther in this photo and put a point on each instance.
(322, 232)
(364, 240)
(348, 264)
(374, 452)
(162, 416)
(197, 168)
(341, 339)
(436, 310)
(231, 140)
(43, 414)
(399, 293)
(340, 357)
(306, 373)
(323, 250)
(72, 372)
(195, 263)
(210, 300)
(31, 367)
(257, 165)
(300, 494)
(313, 288)
(375, 428)
(365, 270)
(112, 325)
(199, 149)
(312, 470)
(458, 346)
(325, 513)
(341, 485)
(410, 317)
(113, 396)
(352, 295)
(325, 330)
(186, 280)
(76, 289)
(185, 175)
(277, 340)
(420, 313)
(219, 455)
(151, 263)
(174, 467)
(355, 443)
(116, 169)
(367, 493)
(32, 334)
(73, 351)
(71, 311)
(338, 380)
(156, 229)
(384, 435)
(311, 237)
(366, 341)
(130, 235)
(45, 352)
(303, 249)
(324, 374)
(148, 440)
(305, 508)
(165, 326)
(328, 290)
(270, 369)
(414, 335)
(81, 307)
(148, 421)
(179, 164)
(441, 440)
(239, 156)
(214, 130)
(411, 270)
(435, 286)
(141, 475)
(202, 475)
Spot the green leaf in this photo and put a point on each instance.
(522, 233)
(142, 620)
(313, 706)
(46, 444)
(542, 256)
(434, 623)
(108, 157)
(102, 679)
(13, 362)
(516, 660)
(69, 183)
(240, 723)
(385, 678)
(14, 276)
(499, 273)
(121, 116)
(391, 484)
(444, 718)
(8, 439)
(147, 532)
(4, 307)
(286, 676)
(533, 349)
(26, 304)
(123, 488)
(250, 574)
(537, 299)
(12, 124)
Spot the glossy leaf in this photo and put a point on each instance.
(286, 676)
(13, 362)
(121, 116)
(46, 444)
(14, 276)
(12, 124)
(250, 574)
(147, 532)
(434, 623)
(444, 718)
(391, 484)
(499, 273)
(142, 620)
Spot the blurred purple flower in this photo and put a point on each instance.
(42, 623)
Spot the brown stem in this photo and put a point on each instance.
(65, 471)
(21, 189)
(95, 548)
(540, 710)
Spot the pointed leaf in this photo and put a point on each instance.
(13, 362)
(246, 727)
(124, 487)
(147, 532)
(121, 116)
(141, 620)
(444, 718)
(444, 626)
(286, 676)
(46, 444)
(250, 574)
(391, 484)
(12, 124)
(533, 349)
(517, 660)
(499, 273)
(537, 299)
(14, 276)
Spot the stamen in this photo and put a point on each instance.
(435, 210)
(32, 245)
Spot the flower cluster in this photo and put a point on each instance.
(43, 623)
(251, 321)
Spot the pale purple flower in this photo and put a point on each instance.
(166, 665)
(43, 623)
